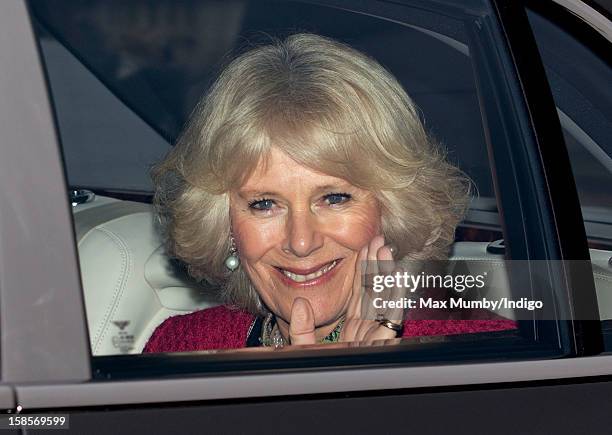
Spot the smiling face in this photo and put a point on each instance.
(298, 234)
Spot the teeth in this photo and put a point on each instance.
(303, 278)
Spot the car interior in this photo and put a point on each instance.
(120, 106)
(131, 286)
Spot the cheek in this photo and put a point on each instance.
(254, 237)
(356, 228)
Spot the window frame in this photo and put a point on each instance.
(533, 222)
(39, 276)
(553, 224)
(590, 25)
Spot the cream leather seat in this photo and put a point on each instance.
(600, 261)
(498, 285)
(130, 286)
(602, 272)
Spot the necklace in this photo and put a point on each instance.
(271, 335)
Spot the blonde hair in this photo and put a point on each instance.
(330, 108)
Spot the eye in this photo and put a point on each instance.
(337, 198)
(262, 204)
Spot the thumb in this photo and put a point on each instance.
(302, 323)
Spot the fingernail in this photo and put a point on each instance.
(393, 248)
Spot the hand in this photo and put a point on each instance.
(359, 326)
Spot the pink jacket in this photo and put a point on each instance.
(223, 327)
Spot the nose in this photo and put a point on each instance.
(303, 234)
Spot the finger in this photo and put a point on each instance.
(398, 292)
(381, 333)
(385, 259)
(354, 306)
(385, 266)
(371, 271)
(350, 330)
(372, 251)
(367, 330)
(302, 323)
(375, 244)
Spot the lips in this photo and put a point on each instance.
(311, 276)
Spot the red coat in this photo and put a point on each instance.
(225, 328)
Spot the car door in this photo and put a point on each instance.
(472, 386)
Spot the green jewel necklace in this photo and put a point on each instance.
(271, 335)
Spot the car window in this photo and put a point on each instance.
(160, 69)
(125, 77)
(95, 125)
(579, 75)
(579, 79)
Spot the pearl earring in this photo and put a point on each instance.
(232, 261)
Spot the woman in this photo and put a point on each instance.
(304, 159)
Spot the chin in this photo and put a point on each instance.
(327, 285)
(327, 315)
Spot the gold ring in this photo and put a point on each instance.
(399, 329)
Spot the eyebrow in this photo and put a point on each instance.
(333, 186)
(255, 192)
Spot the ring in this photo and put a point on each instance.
(399, 329)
